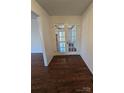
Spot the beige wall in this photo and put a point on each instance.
(44, 20)
(87, 37)
(64, 20)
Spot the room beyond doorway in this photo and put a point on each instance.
(66, 38)
(37, 45)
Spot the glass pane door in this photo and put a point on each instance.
(60, 38)
(66, 38)
(72, 38)
(61, 41)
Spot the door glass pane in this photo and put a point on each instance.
(73, 33)
(62, 49)
(62, 44)
(62, 34)
(73, 38)
(61, 39)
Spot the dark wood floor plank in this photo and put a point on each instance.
(65, 74)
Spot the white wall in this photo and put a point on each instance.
(36, 45)
(87, 37)
(64, 20)
(44, 20)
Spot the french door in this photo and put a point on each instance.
(66, 39)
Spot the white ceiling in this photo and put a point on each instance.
(64, 7)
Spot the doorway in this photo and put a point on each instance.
(37, 43)
(66, 38)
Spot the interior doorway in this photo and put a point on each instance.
(37, 45)
(66, 38)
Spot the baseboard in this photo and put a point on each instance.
(87, 65)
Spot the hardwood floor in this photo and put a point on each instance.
(65, 74)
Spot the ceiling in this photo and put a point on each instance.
(64, 7)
